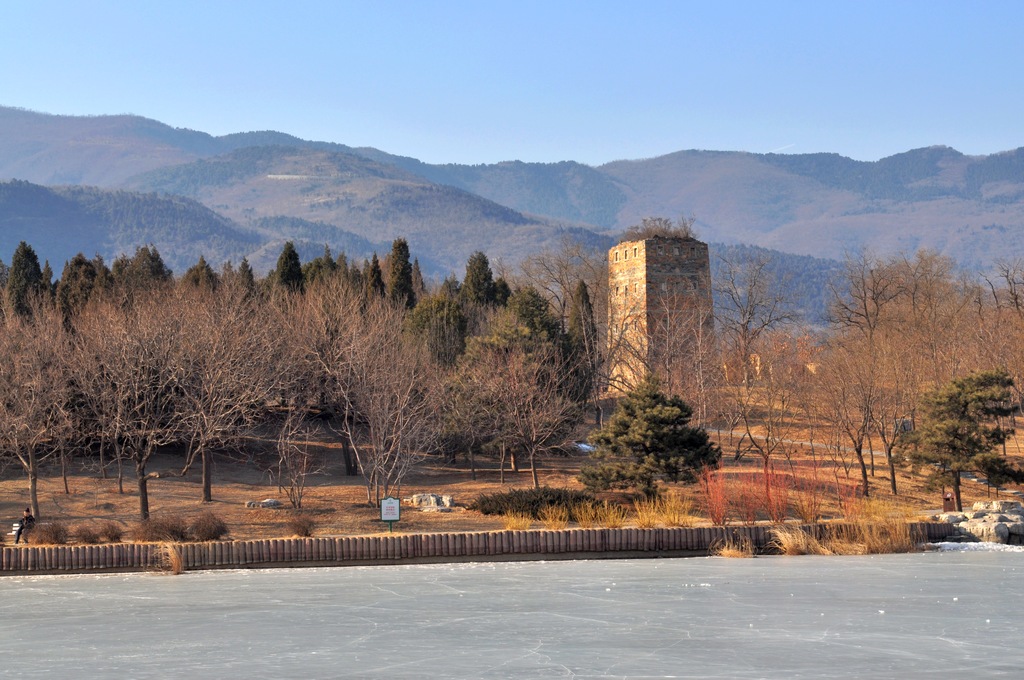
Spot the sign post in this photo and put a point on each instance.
(390, 511)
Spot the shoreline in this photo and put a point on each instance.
(392, 549)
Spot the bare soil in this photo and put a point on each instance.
(338, 503)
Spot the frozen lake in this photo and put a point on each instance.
(954, 613)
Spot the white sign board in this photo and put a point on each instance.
(390, 509)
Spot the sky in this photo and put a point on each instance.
(489, 80)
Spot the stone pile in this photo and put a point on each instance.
(988, 521)
(432, 502)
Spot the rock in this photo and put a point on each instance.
(1016, 528)
(270, 503)
(990, 532)
(430, 500)
(1013, 507)
(952, 517)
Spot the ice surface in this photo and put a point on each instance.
(950, 613)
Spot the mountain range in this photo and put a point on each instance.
(109, 183)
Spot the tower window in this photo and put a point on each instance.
(634, 251)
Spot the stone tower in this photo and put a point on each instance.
(657, 287)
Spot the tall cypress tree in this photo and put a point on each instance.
(373, 279)
(581, 343)
(399, 281)
(288, 273)
(24, 279)
(76, 286)
(478, 286)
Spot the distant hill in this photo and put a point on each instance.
(822, 205)
(59, 222)
(352, 192)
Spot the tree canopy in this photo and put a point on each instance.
(648, 438)
(959, 429)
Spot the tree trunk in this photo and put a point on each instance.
(33, 484)
(533, 470)
(140, 472)
(892, 469)
(956, 491)
(859, 450)
(207, 476)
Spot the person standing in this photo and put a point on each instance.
(27, 522)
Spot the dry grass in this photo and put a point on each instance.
(789, 540)
(554, 517)
(170, 559)
(865, 537)
(735, 547)
(612, 516)
(516, 521)
(669, 509)
(586, 515)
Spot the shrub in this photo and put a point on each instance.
(716, 499)
(49, 533)
(301, 525)
(612, 516)
(777, 502)
(555, 517)
(749, 496)
(516, 521)
(111, 531)
(529, 501)
(85, 533)
(585, 514)
(648, 512)
(208, 527)
(676, 511)
(170, 560)
(164, 528)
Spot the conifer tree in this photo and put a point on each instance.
(648, 438)
(288, 273)
(77, 282)
(24, 279)
(959, 430)
(478, 286)
(399, 280)
(373, 279)
(419, 286)
(48, 285)
(581, 343)
(245, 275)
(201, 275)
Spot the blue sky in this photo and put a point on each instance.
(486, 81)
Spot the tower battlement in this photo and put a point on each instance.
(650, 280)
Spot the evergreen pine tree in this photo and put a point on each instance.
(49, 287)
(76, 285)
(478, 286)
(245, 275)
(581, 343)
(24, 279)
(288, 273)
(201, 275)
(373, 279)
(648, 438)
(419, 286)
(399, 280)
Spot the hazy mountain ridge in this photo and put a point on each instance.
(59, 222)
(825, 205)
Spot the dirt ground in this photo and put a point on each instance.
(339, 503)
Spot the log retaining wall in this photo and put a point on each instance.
(402, 548)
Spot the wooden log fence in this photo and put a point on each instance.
(406, 548)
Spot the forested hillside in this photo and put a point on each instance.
(63, 221)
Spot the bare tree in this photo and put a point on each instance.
(380, 383)
(231, 362)
(134, 353)
(750, 303)
(34, 390)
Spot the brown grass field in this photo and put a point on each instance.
(339, 505)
